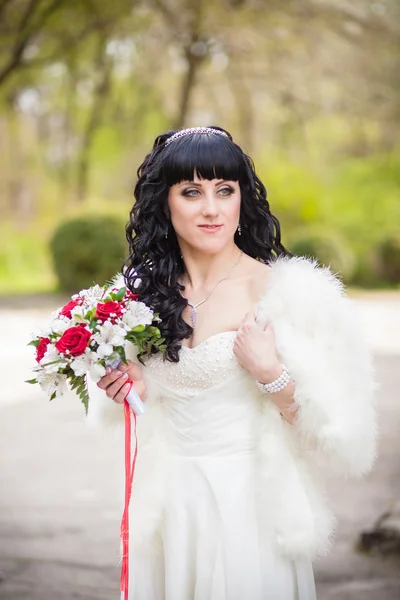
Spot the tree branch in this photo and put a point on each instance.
(26, 31)
(99, 98)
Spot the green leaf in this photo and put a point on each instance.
(120, 350)
(53, 362)
(153, 330)
(34, 343)
(30, 381)
(138, 328)
(79, 385)
(53, 396)
(120, 294)
(90, 314)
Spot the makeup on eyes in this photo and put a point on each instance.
(226, 188)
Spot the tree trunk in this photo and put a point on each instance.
(102, 89)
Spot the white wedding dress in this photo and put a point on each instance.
(211, 545)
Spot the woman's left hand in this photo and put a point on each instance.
(254, 347)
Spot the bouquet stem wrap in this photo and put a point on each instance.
(129, 474)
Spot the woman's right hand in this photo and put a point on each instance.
(114, 381)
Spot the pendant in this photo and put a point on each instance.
(193, 316)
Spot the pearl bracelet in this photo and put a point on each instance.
(277, 385)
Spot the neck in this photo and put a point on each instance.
(203, 271)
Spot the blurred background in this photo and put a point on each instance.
(311, 90)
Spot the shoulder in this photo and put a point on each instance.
(257, 275)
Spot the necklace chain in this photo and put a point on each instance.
(194, 306)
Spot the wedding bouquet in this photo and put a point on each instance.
(84, 337)
(88, 334)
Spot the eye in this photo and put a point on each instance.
(189, 192)
(226, 191)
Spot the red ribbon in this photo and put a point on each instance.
(129, 473)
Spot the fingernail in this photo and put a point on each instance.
(126, 386)
(122, 367)
(108, 370)
(124, 376)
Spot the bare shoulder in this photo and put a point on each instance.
(258, 275)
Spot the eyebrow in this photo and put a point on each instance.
(199, 184)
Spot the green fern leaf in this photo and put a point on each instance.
(78, 384)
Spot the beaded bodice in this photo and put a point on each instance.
(209, 363)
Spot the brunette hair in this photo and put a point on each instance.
(154, 264)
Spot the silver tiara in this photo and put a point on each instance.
(191, 130)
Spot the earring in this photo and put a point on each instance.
(166, 235)
(239, 229)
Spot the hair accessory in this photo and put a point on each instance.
(277, 385)
(191, 130)
(239, 230)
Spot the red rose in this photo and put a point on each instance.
(74, 340)
(41, 348)
(130, 296)
(66, 310)
(104, 310)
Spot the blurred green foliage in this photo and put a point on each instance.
(87, 250)
(347, 216)
(388, 259)
(299, 85)
(330, 248)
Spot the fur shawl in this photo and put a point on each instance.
(319, 337)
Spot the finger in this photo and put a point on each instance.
(249, 319)
(121, 395)
(114, 388)
(133, 369)
(247, 322)
(267, 325)
(106, 380)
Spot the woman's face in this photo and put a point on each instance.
(205, 202)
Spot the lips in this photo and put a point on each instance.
(210, 226)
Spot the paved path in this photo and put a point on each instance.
(60, 482)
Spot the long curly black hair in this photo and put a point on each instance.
(154, 264)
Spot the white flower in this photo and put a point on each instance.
(92, 296)
(39, 332)
(77, 314)
(137, 314)
(81, 364)
(107, 333)
(51, 355)
(105, 350)
(96, 372)
(60, 325)
(52, 382)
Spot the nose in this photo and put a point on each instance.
(210, 205)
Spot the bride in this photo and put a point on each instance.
(267, 385)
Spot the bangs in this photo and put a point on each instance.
(210, 156)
